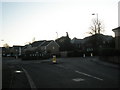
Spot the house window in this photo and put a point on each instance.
(53, 47)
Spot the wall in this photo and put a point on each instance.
(117, 41)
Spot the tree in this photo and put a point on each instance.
(6, 45)
(65, 43)
(97, 27)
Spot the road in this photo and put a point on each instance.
(69, 73)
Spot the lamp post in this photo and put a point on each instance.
(57, 34)
(97, 22)
(96, 15)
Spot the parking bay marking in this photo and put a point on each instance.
(89, 75)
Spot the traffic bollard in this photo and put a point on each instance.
(91, 54)
(83, 55)
(54, 59)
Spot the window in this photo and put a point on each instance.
(53, 47)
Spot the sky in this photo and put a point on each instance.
(23, 20)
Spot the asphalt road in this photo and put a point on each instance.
(68, 73)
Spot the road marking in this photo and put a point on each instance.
(83, 73)
(32, 84)
(78, 79)
(89, 75)
(18, 71)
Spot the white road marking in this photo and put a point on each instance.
(89, 75)
(78, 79)
(32, 84)
(82, 73)
(17, 71)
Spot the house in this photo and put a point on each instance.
(33, 46)
(98, 41)
(6, 51)
(92, 44)
(77, 43)
(50, 47)
(33, 49)
(40, 49)
(16, 50)
(117, 37)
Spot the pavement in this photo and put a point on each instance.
(12, 78)
(19, 79)
(108, 64)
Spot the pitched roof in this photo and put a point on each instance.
(100, 36)
(118, 28)
(17, 46)
(46, 43)
(77, 41)
(37, 43)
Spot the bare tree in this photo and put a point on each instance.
(6, 45)
(97, 27)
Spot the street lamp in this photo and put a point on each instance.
(57, 34)
(97, 22)
(96, 15)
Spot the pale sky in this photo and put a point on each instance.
(22, 21)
